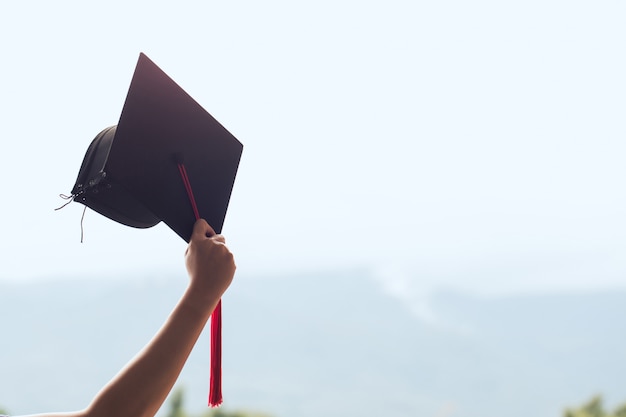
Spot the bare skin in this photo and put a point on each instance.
(142, 386)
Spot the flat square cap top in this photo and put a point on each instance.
(160, 127)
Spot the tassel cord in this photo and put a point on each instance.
(215, 388)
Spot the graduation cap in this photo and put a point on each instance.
(131, 173)
(166, 160)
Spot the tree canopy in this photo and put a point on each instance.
(595, 408)
(177, 409)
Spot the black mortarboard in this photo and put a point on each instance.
(131, 172)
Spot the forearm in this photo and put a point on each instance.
(142, 386)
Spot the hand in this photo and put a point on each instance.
(211, 266)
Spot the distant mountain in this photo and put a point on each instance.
(322, 344)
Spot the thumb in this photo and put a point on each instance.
(201, 229)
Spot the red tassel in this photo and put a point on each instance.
(215, 388)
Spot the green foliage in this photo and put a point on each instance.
(218, 412)
(3, 411)
(176, 403)
(621, 411)
(594, 408)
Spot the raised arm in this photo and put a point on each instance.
(141, 387)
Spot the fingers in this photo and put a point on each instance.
(219, 238)
(201, 229)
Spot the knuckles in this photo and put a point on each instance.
(210, 247)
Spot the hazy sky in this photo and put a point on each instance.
(472, 144)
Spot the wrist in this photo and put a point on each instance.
(199, 302)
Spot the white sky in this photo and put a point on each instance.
(473, 144)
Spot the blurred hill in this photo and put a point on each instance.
(321, 344)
